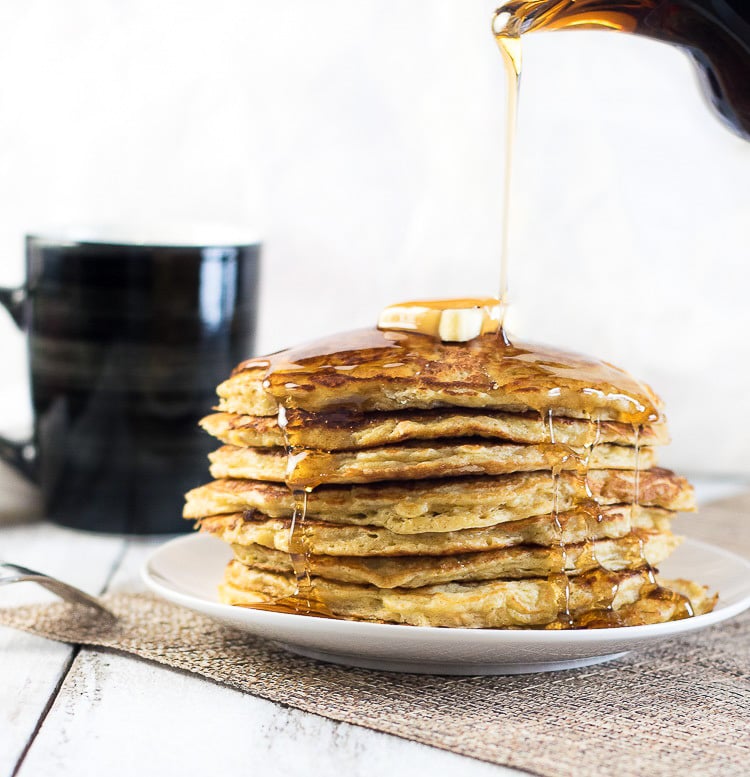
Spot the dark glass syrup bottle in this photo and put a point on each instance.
(715, 33)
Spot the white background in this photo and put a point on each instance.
(364, 141)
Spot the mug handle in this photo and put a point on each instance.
(21, 455)
(14, 301)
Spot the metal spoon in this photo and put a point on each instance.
(13, 573)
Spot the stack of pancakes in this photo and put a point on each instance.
(486, 484)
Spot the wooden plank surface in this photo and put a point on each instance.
(118, 716)
(32, 668)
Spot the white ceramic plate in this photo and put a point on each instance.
(187, 571)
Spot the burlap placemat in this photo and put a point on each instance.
(679, 708)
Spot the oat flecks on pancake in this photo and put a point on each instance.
(373, 370)
(330, 539)
(350, 430)
(412, 461)
(518, 561)
(491, 604)
(439, 505)
(494, 604)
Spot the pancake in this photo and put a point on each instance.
(519, 561)
(369, 369)
(328, 539)
(350, 431)
(490, 604)
(436, 505)
(481, 484)
(413, 461)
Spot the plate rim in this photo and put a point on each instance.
(152, 578)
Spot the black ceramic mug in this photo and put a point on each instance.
(127, 342)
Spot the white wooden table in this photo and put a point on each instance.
(78, 712)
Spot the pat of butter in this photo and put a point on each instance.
(452, 320)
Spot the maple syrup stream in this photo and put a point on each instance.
(508, 23)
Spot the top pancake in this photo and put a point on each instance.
(372, 370)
